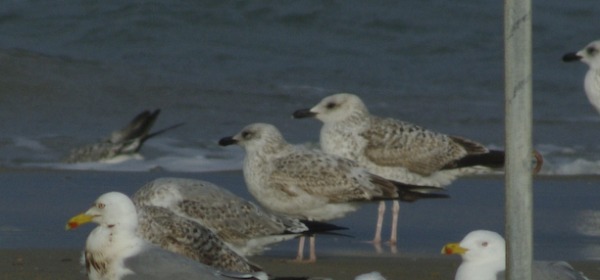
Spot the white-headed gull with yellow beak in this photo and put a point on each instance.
(483, 258)
(113, 250)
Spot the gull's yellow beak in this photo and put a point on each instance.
(453, 248)
(78, 220)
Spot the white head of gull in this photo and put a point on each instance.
(483, 255)
(589, 55)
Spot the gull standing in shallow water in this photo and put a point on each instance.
(396, 150)
(483, 258)
(195, 218)
(310, 184)
(114, 250)
(122, 144)
(590, 55)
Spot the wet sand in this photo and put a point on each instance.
(64, 264)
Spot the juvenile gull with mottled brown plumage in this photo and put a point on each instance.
(310, 184)
(122, 144)
(178, 212)
(164, 228)
(394, 149)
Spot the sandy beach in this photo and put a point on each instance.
(64, 264)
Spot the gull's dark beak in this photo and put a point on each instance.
(303, 113)
(571, 57)
(226, 141)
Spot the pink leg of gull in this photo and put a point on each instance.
(378, 226)
(395, 214)
(313, 254)
(300, 254)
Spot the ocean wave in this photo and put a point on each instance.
(178, 156)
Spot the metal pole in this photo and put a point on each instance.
(517, 63)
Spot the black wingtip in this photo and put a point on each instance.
(492, 159)
(411, 193)
(316, 227)
(412, 196)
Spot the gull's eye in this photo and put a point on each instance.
(246, 134)
(591, 50)
(484, 244)
(100, 205)
(330, 105)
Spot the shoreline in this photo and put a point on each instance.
(64, 264)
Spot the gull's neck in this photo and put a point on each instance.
(106, 248)
(474, 270)
(592, 87)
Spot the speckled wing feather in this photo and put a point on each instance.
(394, 143)
(232, 218)
(228, 214)
(162, 227)
(337, 179)
(94, 152)
(233, 222)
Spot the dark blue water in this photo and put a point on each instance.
(71, 73)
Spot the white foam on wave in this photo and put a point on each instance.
(575, 160)
(194, 163)
(159, 154)
(177, 156)
(30, 144)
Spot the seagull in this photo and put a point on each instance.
(396, 150)
(375, 275)
(189, 208)
(121, 144)
(162, 227)
(483, 258)
(310, 184)
(114, 250)
(589, 55)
